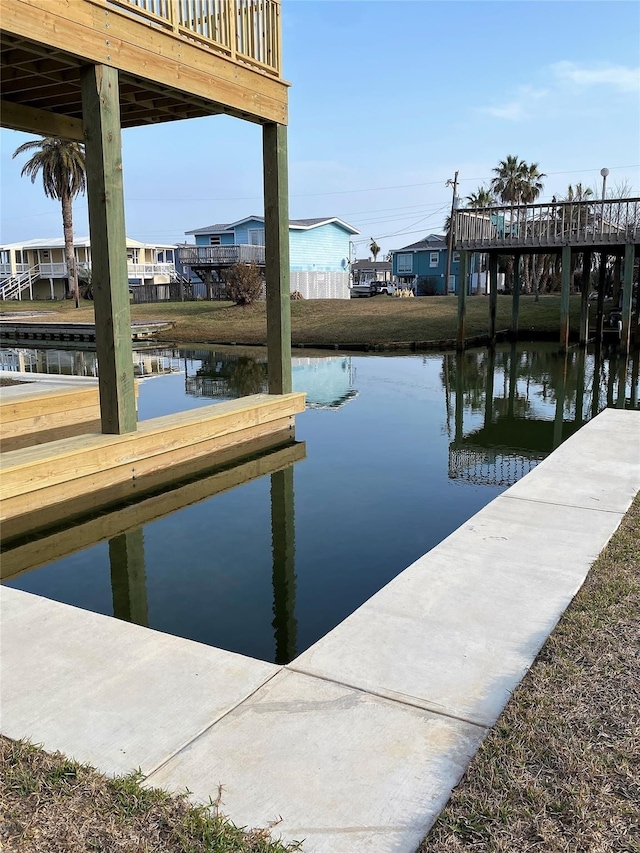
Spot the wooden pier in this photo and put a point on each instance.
(609, 227)
(77, 332)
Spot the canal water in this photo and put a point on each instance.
(398, 452)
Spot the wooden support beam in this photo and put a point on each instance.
(627, 298)
(584, 302)
(602, 279)
(276, 229)
(564, 296)
(489, 383)
(515, 299)
(101, 110)
(558, 421)
(283, 543)
(493, 295)
(31, 120)
(462, 297)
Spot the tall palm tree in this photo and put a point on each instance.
(374, 249)
(507, 184)
(531, 183)
(482, 197)
(62, 164)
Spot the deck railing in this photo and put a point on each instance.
(555, 224)
(245, 30)
(194, 256)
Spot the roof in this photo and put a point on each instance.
(295, 224)
(78, 242)
(432, 242)
(378, 266)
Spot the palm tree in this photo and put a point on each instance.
(62, 164)
(374, 249)
(481, 198)
(517, 182)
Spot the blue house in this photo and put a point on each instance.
(318, 252)
(423, 266)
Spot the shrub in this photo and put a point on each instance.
(297, 295)
(244, 283)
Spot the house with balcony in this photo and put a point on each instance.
(318, 253)
(37, 269)
(422, 266)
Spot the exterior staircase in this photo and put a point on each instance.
(12, 287)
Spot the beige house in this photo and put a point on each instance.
(36, 269)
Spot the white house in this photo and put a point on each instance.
(36, 269)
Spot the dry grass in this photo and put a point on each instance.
(49, 804)
(560, 771)
(377, 322)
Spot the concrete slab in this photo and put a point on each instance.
(114, 694)
(457, 630)
(343, 770)
(599, 467)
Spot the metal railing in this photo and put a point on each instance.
(244, 30)
(194, 256)
(587, 223)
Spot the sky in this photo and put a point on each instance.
(389, 98)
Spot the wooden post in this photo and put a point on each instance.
(515, 299)
(558, 423)
(101, 117)
(513, 380)
(602, 280)
(276, 229)
(462, 297)
(582, 359)
(595, 387)
(564, 301)
(283, 543)
(623, 364)
(459, 410)
(635, 370)
(627, 289)
(128, 577)
(584, 302)
(493, 295)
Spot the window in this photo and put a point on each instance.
(405, 263)
(434, 258)
(456, 257)
(256, 236)
(214, 240)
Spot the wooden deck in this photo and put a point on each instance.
(544, 227)
(53, 481)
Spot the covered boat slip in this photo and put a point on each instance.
(84, 69)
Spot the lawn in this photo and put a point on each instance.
(381, 321)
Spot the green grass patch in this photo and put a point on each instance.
(381, 321)
(49, 803)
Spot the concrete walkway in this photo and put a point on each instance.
(356, 745)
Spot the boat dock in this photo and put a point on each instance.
(10, 330)
(357, 743)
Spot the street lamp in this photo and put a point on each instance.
(604, 172)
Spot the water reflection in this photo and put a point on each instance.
(84, 362)
(531, 400)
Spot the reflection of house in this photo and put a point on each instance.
(364, 272)
(318, 252)
(38, 267)
(57, 362)
(327, 382)
(424, 264)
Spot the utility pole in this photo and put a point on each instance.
(451, 183)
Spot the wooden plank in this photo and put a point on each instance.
(107, 36)
(33, 519)
(103, 148)
(276, 228)
(60, 544)
(31, 120)
(71, 459)
(564, 296)
(43, 401)
(91, 423)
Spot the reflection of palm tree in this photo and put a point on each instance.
(62, 164)
(242, 376)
